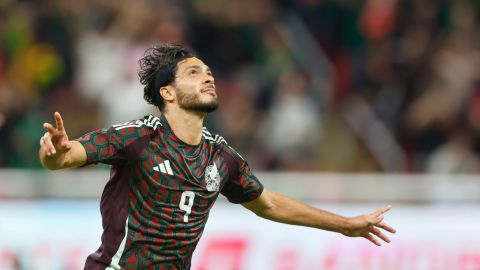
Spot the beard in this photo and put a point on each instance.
(192, 102)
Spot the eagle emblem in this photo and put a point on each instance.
(212, 178)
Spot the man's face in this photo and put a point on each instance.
(194, 86)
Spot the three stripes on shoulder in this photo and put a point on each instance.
(150, 121)
(213, 138)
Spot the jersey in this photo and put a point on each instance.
(157, 201)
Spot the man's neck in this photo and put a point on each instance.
(186, 125)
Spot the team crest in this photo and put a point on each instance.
(212, 178)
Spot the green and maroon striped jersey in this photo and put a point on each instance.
(156, 203)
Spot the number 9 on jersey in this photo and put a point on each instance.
(186, 203)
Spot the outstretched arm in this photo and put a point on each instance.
(57, 151)
(280, 208)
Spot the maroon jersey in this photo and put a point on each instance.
(156, 203)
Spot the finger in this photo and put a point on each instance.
(48, 145)
(49, 128)
(382, 210)
(59, 121)
(373, 240)
(42, 139)
(41, 142)
(49, 148)
(386, 227)
(378, 233)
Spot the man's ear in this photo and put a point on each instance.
(167, 93)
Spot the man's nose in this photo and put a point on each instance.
(209, 79)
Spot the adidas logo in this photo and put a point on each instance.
(164, 167)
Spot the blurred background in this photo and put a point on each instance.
(358, 86)
(352, 103)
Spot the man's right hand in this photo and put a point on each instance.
(57, 151)
(55, 140)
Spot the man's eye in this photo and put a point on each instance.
(192, 72)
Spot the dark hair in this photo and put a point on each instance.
(158, 67)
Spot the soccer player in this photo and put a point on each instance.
(167, 172)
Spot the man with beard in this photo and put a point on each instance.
(167, 171)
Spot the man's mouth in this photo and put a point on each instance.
(209, 90)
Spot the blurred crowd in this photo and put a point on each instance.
(311, 85)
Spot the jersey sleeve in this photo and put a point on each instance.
(242, 185)
(110, 145)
